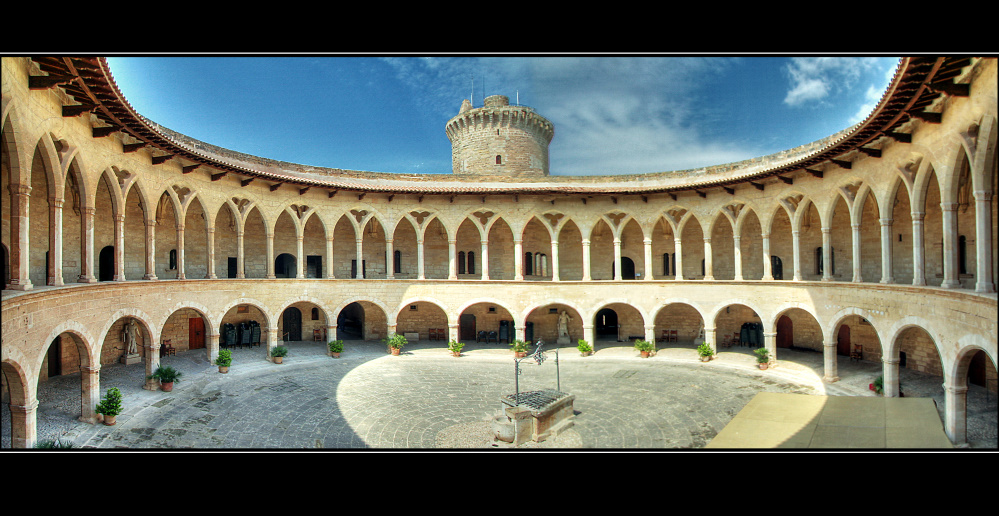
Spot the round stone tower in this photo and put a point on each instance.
(499, 139)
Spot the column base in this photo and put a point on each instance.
(151, 277)
(830, 379)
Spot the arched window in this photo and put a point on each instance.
(471, 262)
(499, 160)
(397, 261)
(461, 262)
(173, 260)
(962, 254)
(315, 314)
(528, 264)
(665, 264)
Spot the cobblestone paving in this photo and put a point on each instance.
(425, 399)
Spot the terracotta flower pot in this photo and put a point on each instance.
(223, 369)
(763, 365)
(110, 420)
(456, 353)
(278, 360)
(334, 355)
(395, 351)
(645, 354)
(706, 359)
(167, 387)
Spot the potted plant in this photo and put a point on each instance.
(455, 347)
(519, 348)
(396, 342)
(584, 348)
(224, 360)
(645, 347)
(336, 347)
(278, 354)
(110, 406)
(762, 357)
(705, 352)
(167, 375)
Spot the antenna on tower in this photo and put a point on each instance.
(471, 96)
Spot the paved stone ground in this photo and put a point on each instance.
(426, 399)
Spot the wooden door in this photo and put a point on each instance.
(466, 325)
(195, 333)
(843, 341)
(785, 332)
(293, 323)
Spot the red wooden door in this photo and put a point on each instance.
(843, 341)
(195, 333)
(785, 332)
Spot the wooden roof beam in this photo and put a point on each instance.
(275, 186)
(874, 153)
(759, 186)
(44, 82)
(191, 168)
(843, 164)
(101, 132)
(816, 173)
(246, 181)
(220, 175)
(132, 147)
(77, 109)
(159, 160)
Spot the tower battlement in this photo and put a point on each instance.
(499, 139)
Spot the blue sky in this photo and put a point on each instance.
(612, 114)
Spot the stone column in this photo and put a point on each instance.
(484, 259)
(858, 273)
(586, 261)
(830, 362)
(956, 412)
(212, 348)
(617, 259)
(421, 261)
(590, 334)
(889, 375)
(119, 248)
(55, 242)
(518, 260)
(887, 275)
(359, 250)
(180, 252)
(210, 242)
(648, 260)
(796, 249)
(300, 257)
(23, 425)
(950, 265)
(678, 261)
(87, 245)
(152, 362)
(770, 342)
(737, 252)
(331, 332)
(150, 250)
(555, 276)
(90, 393)
(827, 254)
(768, 273)
(711, 338)
(452, 264)
(20, 238)
(390, 259)
(708, 265)
(452, 332)
(650, 334)
(329, 258)
(918, 261)
(272, 341)
(269, 236)
(241, 254)
(983, 243)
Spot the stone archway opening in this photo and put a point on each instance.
(304, 325)
(678, 325)
(361, 320)
(543, 323)
(422, 321)
(739, 329)
(486, 325)
(243, 326)
(185, 330)
(618, 322)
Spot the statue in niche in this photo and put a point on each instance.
(563, 326)
(129, 337)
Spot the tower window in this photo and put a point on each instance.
(499, 160)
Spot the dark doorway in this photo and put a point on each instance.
(313, 266)
(843, 341)
(284, 266)
(195, 333)
(233, 267)
(105, 262)
(4, 261)
(55, 358)
(292, 323)
(466, 327)
(785, 332)
(353, 268)
(776, 268)
(627, 268)
(606, 323)
(350, 322)
(976, 370)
